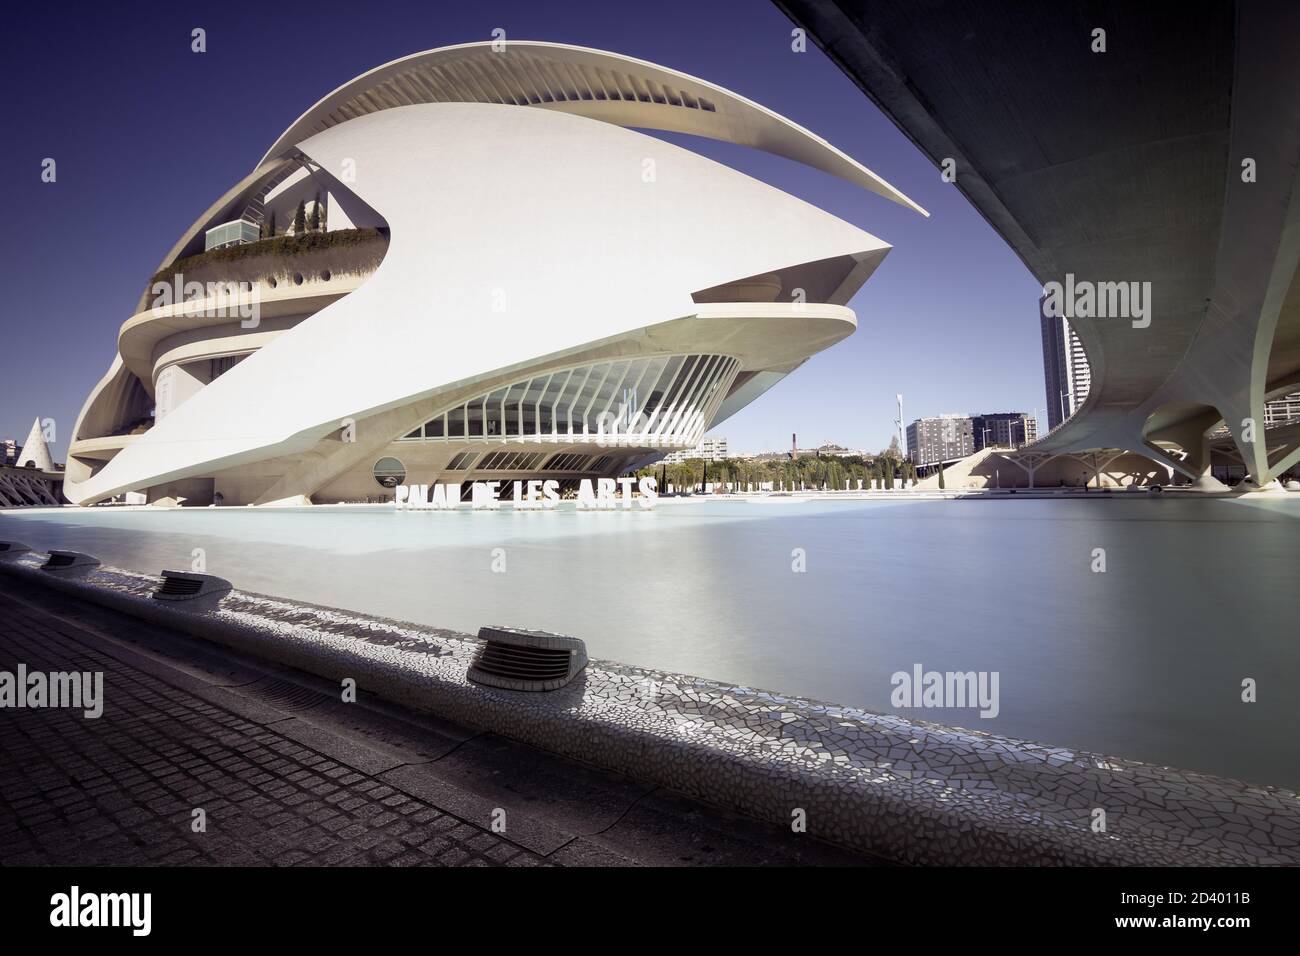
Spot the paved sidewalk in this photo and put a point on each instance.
(287, 774)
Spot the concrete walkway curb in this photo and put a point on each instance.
(908, 791)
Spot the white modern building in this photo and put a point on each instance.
(710, 448)
(471, 264)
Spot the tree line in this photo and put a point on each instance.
(809, 472)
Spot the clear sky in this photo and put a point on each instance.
(147, 134)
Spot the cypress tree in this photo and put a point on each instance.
(300, 218)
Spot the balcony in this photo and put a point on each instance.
(342, 252)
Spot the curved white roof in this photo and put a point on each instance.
(597, 84)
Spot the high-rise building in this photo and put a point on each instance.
(1065, 368)
(946, 438)
(1003, 429)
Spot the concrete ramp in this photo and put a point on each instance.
(959, 474)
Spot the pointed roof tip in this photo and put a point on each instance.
(909, 203)
(35, 449)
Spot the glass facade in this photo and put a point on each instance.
(230, 234)
(646, 402)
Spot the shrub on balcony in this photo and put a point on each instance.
(343, 252)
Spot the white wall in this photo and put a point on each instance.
(177, 384)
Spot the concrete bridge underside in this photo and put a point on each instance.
(1098, 467)
(1172, 158)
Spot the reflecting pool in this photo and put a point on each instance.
(1144, 659)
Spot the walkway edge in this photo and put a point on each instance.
(903, 790)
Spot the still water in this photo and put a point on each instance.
(1143, 660)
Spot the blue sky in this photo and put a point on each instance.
(147, 134)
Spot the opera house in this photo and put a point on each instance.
(471, 264)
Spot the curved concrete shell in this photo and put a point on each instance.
(482, 251)
(585, 82)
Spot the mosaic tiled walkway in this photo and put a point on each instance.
(285, 776)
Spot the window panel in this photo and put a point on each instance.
(587, 419)
(493, 416)
(514, 398)
(572, 394)
(546, 405)
(647, 372)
